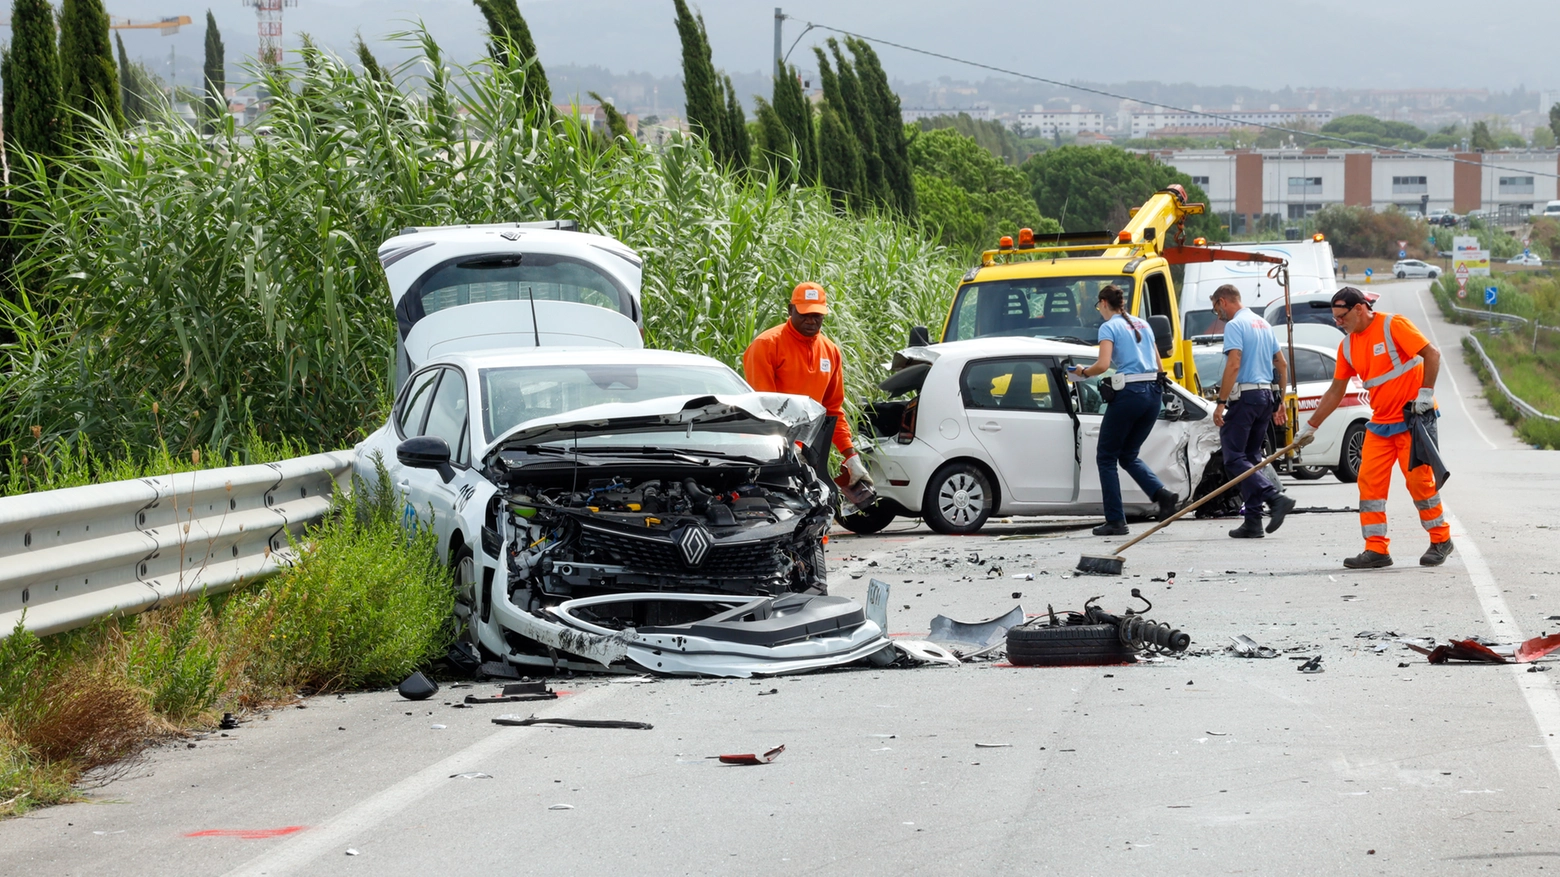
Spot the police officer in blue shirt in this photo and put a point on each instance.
(1249, 397)
(1126, 345)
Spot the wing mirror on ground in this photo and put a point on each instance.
(426, 452)
(919, 337)
(1162, 337)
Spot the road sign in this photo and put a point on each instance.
(1489, 295)
(1402, 253)
(1462, 287)
(1402, 245)
(1368, 272)
(1462, 271)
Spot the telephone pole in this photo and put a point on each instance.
(774, 69)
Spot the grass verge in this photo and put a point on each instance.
(1529, 363)
(363, 606)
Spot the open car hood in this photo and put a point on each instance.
(797, 418)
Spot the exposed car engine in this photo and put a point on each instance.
(723, 528)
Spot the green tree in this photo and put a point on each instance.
(130, 99)
(508, 29)
(1093, 188)
(1554, 120)
(968, 197)
(214, 72)
(31, 73)
(615, 122)
(89, 82)
(704, 103)
(738, 145)
(883, 108)
(1543, 138)
(855, 106)
(840, 159)
(795, 115)
(1008, 144)
(1480, 138)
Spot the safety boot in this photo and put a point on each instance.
(1277, 509)
(1437, 553)
(1251, 528)
(1111, 528)
(1368, 559)
(1167, 502)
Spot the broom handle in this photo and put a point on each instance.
(1193, 507)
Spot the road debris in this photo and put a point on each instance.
(517, 722)
(418, 687)
(974, 639)
(561, 807)
(1314, 665)
(993, 745)
(471, 776)
(750, 758)
(1474, 651)
(515, 692)
(1246, 647)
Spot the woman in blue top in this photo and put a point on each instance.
(1126, 345)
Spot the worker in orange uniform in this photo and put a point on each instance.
(1399, 367)
(796, 357)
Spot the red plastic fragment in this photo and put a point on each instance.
(1537, 647)
(1465, 650)
(248, 833)
(750, 758)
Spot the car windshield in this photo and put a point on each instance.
(1039, 307)
(1210, 367)
(1203, 322)
(511, 396)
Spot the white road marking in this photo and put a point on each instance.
(1461, 401)
(305, 849)
(1536, 688)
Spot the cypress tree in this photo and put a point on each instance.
(214, 72)
(842, 172)
(504, 20)
(853, 103)
(739, 147)
(883, 108)
(89, 83)
(615, 121)
(31, 72)
(129, 97)
(774, 139)
(795, 113)
(701, 90)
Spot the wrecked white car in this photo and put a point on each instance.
(630, 509)
(994, 427)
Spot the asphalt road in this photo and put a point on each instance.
(1207, 764)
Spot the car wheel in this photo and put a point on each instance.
(1076, 644)
(1434, 274)
(463, 573)
(1401, 275)
(958, 499)
(1309, 473)
(868, 521)
(1348, 470)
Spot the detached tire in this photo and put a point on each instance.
(867, 522)
(1067, 645)
(958, 499)
(1353, 452)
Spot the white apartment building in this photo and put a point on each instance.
(916, 114)
(1067, 124)
(1141, 124)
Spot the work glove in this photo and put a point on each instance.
(1306, 436)
(856, 470)
(1425, 401)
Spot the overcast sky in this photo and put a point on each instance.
(1495, 44)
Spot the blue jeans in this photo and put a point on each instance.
(1128, 420)
(1240, 439)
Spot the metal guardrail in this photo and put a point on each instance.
(68, 557)
(1491, 315)
(1526, 409)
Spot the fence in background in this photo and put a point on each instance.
(68, 557)
(1526, 409)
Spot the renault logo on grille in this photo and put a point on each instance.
(694, 542)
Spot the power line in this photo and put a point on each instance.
(1237, 122)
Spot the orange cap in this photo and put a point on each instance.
(809, 298)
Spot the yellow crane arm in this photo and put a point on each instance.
(1151, 224)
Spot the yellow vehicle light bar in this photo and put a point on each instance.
(989, 257)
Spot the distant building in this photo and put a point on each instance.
(1142, 124)
(1068, 124)
(1245, 185)
(916, 114)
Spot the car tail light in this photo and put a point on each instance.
(907, 421)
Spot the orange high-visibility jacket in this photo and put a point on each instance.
(783, 360)
(1386, 357)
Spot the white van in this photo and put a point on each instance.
(1310, 270)
(1552, 209)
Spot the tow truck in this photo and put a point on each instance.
(1048, 288)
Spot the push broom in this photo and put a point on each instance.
(1112, 564)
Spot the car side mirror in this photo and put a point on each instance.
(426, 452)
(1163, 339)
(919, 337)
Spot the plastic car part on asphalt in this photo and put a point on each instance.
(973, 639)
(750, 758)
(1246, 647)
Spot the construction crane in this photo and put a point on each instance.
(169, 25)
(268, 15)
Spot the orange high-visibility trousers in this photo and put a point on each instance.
(1375, 477)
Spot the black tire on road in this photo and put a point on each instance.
(1348, 470)
(1067, 645)
(1401, 275)
(958, 500)
(870, 521)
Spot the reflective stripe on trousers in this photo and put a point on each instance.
(1377, 459)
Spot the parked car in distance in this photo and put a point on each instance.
(1524, 259)
(1551, 209)
(1415, 268)
(995, 428)
(1311, 308)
